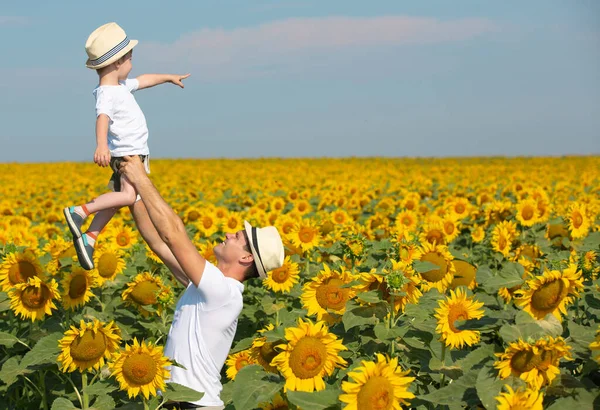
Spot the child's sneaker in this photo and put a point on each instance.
(74, 220)
(85, 252)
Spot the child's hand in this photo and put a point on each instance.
(176, 79)
(102, 156)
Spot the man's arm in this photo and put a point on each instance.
(150, 80)
(152, 238)
(169, 226)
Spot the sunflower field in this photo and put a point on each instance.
(407, 283)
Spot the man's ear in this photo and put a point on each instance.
(247, 259)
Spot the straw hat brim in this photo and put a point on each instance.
(259, 268)
(129, 47)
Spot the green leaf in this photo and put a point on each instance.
(424, 266)
(383, 333)
(580, 338)
(242, 345)
(364, 315)
(46, 350)
(276, 334)
(458, 392)
(590, 243)
(369, 297)
(488, 387)
(318, 400)
(62, 404)
(103, 402)
(99, 388)
(177, 392)
(252, 386)
(511, 275)
(580, 399)
(477, 357)
(11, 370)
(8, 340)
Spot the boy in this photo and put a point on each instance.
(120, 130)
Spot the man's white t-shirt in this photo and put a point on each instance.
(202, 332)
(127, 129)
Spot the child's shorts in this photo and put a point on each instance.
(114, 183)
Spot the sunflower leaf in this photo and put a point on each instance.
(369, 297)
(424, 266)
(62, 404)
(253, 386)
(488, 387)
(11, 370)
(317, 400)
(46, 350)
(8, 340)
(177, 392)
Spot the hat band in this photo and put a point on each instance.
(110, 53)
(255, 242)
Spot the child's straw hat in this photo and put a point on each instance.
(106, 45)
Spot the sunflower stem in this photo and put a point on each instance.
(86, 398)
(146, 407)
(43, 390)
(442, 382)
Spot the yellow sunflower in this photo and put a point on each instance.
(278, 403)
(208, 224)
(123, 236)
(441, 277)
(236, 361)
(527, 212)
(451, 228)
(551, 292)
(143, 291)
(18, 267)
(478, 234)
(464, 275)
(284, 278)
(377, 385)
(141, 368)
(206, 248)
(263, 352)
(521, 399)
(88, 346)
(310, 354)
(595, 345)
(191, 215)
(150, 254)
(324, 293)
(459, 208)
(77, 287)
(58, 249)
(457, 307)
(433, 233)
(556, 232)
(305, 235)
(579, 223)
(233, 223)
(33, 299)
(109, 262)
(536, 364)
(501, 240)
(340, 217)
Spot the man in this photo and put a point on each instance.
(206, 315)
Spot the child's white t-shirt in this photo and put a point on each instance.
(127, 129)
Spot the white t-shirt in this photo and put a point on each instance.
(127, 129)
(202, 331)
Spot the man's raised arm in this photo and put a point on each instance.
(168, 225)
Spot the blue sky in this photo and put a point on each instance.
(312, 78)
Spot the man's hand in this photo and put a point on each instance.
(176, 79)
(102, 156)
(133, 169)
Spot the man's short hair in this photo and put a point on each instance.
(251, 271)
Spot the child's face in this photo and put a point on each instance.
(125, 66)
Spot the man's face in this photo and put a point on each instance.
(232, 248)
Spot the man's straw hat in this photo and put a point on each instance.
(267, 248)
(106, 45)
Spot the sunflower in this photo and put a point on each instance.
(233, 223)
(501, 240)
(310, 354)
(77, 287)
(457, 307)
(433, 232)
(478, 234)
(579, 223)
(277, 204)
(34, 298)
(556, 232)
(263, 352)
(150, 254)
(18, 267)
(459, 208)
(302, 206)
(324, 293)
(88, 346)
(208, 224)
(143, 291)
(109, 261)
(141, 368)
(58, 249)
(339, 217)
(191, 215)
(277, 403)
(464, 276)
(536, 364)
(527, 212)
(124, 237)
(377, 385)
(284, 278)
(520, 399)
(406, 221)
(305, 235)
(451, 228)
(595, 345)
(236, 361)
(551, 292)
(441, 277)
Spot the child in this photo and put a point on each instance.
(120, 130)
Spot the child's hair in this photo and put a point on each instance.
(102, 70)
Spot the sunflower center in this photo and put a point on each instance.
(524, 361)
(527, 213)
(306, 235)
(406, 221)
(35, 298)
(139, 369)
(77, 286)
(193, 216)
(459, 208)
(434, 275)
(287, 227)
(577, 219)
(502, 242)
(144, 293)
(232, 223)
(456, 313)
(107, 265)
(308, 357)
(207, 223)
(280, 275)
(449, 228)
(122, 239)
(20, 272)
(267, 352)
(241, 362)
(548, 296)
(435, 236)
(89, 347)
(376, 394)
(339, 218)
(331, 296)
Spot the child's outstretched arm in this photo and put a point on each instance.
(102, 154)
(150, 80)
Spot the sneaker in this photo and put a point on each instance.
(85, 252)
(74, 220)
